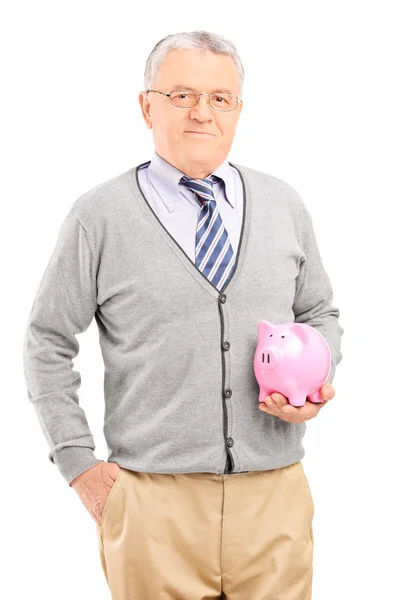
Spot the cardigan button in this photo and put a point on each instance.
(229, 442)
(222, 298)
(225, 345)
(228, 393)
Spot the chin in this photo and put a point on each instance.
(201, 156)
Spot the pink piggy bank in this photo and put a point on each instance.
(293, 359)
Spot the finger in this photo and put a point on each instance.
(279, 399)
(327, 391)
(319, 405)
(269, 406)
(285, 411)
(306, 412)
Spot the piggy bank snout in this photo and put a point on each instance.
(269, 357)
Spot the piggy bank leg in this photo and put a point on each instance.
(315, 397)
(297, 399)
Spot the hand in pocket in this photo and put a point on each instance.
(94, 485)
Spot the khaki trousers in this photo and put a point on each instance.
(203, 536)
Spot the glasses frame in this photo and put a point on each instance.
(198, 98)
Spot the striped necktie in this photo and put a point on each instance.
(214, 253)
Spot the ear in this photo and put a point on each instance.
(301, 331)
(264, 328)
(145, 106)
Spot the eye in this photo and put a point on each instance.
(220, 98)
(282, 336)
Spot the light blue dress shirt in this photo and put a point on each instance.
(177, 207)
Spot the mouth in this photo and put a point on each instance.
(199, 134)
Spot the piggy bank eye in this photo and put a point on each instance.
(282, 336)
(270, 335)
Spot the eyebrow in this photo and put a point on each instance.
(181, 86)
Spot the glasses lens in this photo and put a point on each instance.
(183, 98)
(223, 101)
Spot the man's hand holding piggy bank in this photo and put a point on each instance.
(291, 364)
(279, 406)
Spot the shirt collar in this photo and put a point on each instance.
(163, 174)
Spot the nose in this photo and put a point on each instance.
(268, 358)
(202, 111)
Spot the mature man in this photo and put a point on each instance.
(178, 259)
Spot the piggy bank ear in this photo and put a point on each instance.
(301, 331)
(264, 328)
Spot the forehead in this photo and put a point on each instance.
(199, 70)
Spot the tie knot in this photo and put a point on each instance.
(203, 188)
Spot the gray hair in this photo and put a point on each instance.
(202, 40)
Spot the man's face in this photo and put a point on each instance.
(194, 154)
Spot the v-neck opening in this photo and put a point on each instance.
(244, 231)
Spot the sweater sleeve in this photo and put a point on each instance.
(313, 297)
(64, 305)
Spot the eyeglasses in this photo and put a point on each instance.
(188, 99)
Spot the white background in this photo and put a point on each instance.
(321, 111)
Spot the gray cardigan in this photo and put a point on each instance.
(180, 391)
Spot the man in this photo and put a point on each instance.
(178, 259)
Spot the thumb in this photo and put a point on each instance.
(327, 391)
